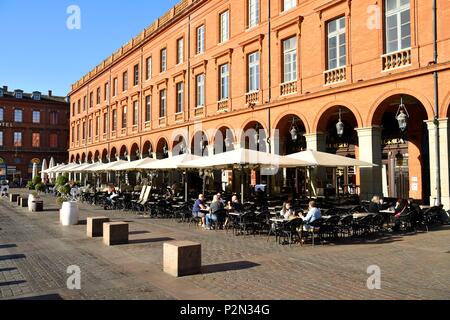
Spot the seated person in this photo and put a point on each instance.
(198, 206)
(216, 207)
(234, 206)
(287, 212)
(375, 206)
(112, 194)
(313, 215)
(401, 208)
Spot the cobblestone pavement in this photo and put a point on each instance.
(35, 252)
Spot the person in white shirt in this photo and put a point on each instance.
(287, 211)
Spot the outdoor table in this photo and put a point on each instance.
(278, 220)
(357, 215)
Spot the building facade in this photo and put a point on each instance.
(354, 78)
(33, 127)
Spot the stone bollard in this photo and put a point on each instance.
(95, 226)
(115, 233)
(13, 197)
(182, 258)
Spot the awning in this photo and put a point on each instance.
(134, 165)
(108, 166)
(323, 159)
(170, 163)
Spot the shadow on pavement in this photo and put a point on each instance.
(12, 257)
(11, 283)
(152, 240)
(229, 266)
(7, 246)
(8, 269)
(43, 297)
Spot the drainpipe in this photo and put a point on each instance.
(436, 107)
(269, 84)
(188, 105)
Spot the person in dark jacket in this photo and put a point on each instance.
(374, 206)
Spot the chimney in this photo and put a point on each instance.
(5, 88)
(49, 93)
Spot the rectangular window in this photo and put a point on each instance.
(337, 54)
(124, 117)
(135, 113)
(290, 60)
(289, 4)
(148, 108)
(91, 100)
(17, 139)
(1, 138)
(114, 93)
(36, 140)
(18, 115)
(162, 103)
(200, 90)
(73, 109)
(79, 106)
(253, 13)
(398, 25)
(97, 126)
(105, 123)
(200, 39)
(84, 130)
(84, 103)
(180, 50)
(36, 116)
(163, 54)
(2, 114)
(106, 93)
(224, 81)
(148, 68)
(90, 129)
(225, 26)
(180, 97)
(78, 132)
(125, 81)
(73, 134)
(253, 72)
(136, 75)
(98, 96)
(53, 117)
(114, 120)
(53, 140)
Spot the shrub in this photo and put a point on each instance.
(64, 190)
(37, 180)
(62, 180)
(39, 187)
(60, 200)
(30, 185)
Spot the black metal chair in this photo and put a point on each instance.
(290, 232)
(345, 225)
(312, 229)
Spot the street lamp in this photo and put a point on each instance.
(402, 116)
(228, 143)
(340, 125)
(202, 145)
(165, 150)
(294, 130)
(257, 135)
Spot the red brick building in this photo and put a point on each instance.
(33, 127)
(211, 70)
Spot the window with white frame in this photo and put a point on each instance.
(225, 26)
(124, 117)
(253, 71)
(180, 97)
(398, 25)
(136, 75)
(180, 50)
(125, 81)
(162, 103)
(224, 81)
(253, 13)
(148, 68)
(289, 4)
(2, 114)
(114, 120)
(148, 108)
(1, 138)
(337, 48)
(18, 115)
(105, 123)
(200, 39)
(114, 93)
(163, 56)
(135, 113)
(200, 90)
(36, 116)
(17, 139)
(97, 126)
(290, 60)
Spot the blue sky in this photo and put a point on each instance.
(38, 52)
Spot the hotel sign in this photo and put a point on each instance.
(6, 124)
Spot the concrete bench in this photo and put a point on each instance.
(95, 226)
(115, 233)
(23, 202)
(13, 197)
(182, 258)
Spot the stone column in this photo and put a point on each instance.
(370, 151)
(444, 162)
(317, 142)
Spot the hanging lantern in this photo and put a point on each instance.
(294, 131)
(340, 126)
(402, 116)
(257, 135)
(165, 150)
(228, 143)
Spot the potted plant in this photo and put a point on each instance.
(32, 197)
(69, 209)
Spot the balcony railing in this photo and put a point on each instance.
(113, 134)
(199, 111)
(335, 75)
(288, 88)
(252, 97)
(222, 105)
(123, 131)
(162, 121)
(135, 128)
(396, 59)
(104, 136)
(148, 125)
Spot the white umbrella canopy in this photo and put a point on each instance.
(54, 169)
(69, 168)
(108, 166)
(323, 159)
(171, 163)
(94, 167)
(134, 165)
(51, 164)
(35, 170)
(43, 168)
(82, 167)
(244, 157)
